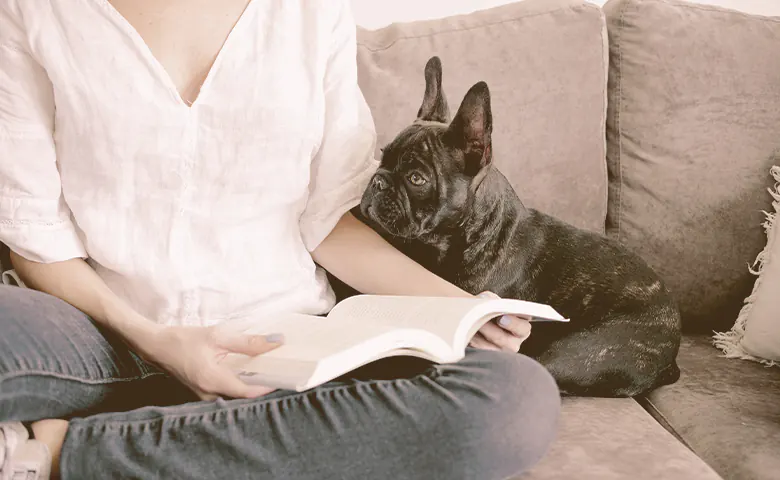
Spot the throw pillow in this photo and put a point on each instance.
(756, 334)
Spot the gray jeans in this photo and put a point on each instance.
(490, 416)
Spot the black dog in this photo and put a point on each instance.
(437, 197)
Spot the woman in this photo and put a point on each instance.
(203, 156)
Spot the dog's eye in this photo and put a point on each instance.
(417, 180)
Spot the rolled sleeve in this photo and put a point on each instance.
(35, 221)
(345, 160)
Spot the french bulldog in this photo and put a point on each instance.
(438, 198)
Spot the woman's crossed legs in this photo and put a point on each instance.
(489, 416)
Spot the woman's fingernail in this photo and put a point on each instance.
(504, 321)
(274, 338)
(483, 295)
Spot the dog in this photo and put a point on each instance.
(438, 198)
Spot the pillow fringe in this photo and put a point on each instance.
(730, 342)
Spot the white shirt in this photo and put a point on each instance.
(193, 214)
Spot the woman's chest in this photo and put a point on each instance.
(125, 63)
(183, 36)
(258, 115)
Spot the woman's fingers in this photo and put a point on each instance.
(520, 327)
(250, 345)
(206, 397)
(517, 326)
(503, 339)
(222, 382)
(217, 380)
(479, 341)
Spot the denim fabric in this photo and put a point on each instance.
(490, 416)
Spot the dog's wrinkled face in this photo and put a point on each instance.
(428, 174)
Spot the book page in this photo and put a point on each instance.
(318, 349)
(438, 315)
(454, 319)
(309, 338)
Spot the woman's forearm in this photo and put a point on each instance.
(75, 282)
(362, 259)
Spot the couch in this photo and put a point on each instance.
(653, 122)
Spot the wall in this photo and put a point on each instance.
(374, 14)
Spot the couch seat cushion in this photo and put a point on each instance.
(615, 439)
(727, 411)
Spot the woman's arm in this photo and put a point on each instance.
(362, 259)
(191, 354)
(78, 284)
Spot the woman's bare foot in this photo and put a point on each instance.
(52, 434)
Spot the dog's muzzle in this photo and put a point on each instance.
(381, 203)
(380, 182)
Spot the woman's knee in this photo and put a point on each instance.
(23, 310)
(532, 410)
(510, 420)
(43, 334)
(35, 326)
(54, 361)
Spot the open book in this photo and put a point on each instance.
(365, 328)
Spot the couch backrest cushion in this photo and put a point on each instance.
(545, 63)
(694, 118)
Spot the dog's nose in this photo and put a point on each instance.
(380, 183)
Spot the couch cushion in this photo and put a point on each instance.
(694, 117)
(727, 411)
(545, 64)
(615, 439)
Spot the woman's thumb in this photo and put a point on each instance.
(251, 344)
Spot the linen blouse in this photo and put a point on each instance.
(195, 215)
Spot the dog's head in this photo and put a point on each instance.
(429, 173)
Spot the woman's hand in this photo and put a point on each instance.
(193, 355)
(505, 334)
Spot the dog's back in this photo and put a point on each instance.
(624, 333)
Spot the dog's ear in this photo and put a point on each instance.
(434, 106)
(471, 129)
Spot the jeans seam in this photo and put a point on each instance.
(431, 373)
(61, 376)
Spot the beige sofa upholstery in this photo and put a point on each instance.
(693, 116)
